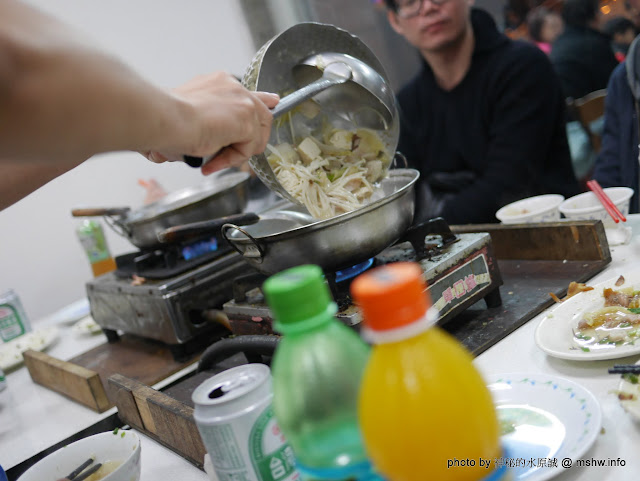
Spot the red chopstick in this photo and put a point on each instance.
(606, 201)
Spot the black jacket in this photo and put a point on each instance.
(496, 137)
(583, 59)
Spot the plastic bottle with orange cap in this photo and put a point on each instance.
(424, 410)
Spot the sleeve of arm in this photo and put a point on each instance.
(526, 101)
(607, 167)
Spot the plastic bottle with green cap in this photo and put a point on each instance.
(317, 369)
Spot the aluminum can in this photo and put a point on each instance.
(235, 418)
(13, 320)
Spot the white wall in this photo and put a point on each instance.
(168, 42)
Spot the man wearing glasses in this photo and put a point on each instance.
(484, 121)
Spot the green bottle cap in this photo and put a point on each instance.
(298, 294)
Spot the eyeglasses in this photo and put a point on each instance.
(411, 8)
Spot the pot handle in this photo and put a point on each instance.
(253, 251)
(400, 155)
(197, 230)
(98, 211)
(113, 216)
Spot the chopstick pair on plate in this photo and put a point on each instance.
(606, 201)
(81, 472)
(625, 369)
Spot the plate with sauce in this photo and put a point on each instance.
(543, 420)
(582, 328)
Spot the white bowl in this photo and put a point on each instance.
(541, 208)
(121, 449)
(586, 206)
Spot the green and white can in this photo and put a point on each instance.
(13, 320)
(234, 416)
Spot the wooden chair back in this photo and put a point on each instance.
(587, 109)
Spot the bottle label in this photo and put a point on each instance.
(11, 324)
(92, 240)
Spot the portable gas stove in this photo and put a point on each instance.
(459, 270)
(173, 295)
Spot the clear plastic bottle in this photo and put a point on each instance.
(316, 369)
(423, 405)
(95, 246)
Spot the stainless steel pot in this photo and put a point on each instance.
(274, 67)
(221, 194)
(287, 235)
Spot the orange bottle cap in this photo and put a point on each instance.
(391, 296)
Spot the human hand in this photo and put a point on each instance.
(223, 118)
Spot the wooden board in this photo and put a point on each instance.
(556, 241)
(534, 260)
(167, 420)
(85, 377)
(144, 360)
(78, 383)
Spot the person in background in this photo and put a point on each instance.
(544, 26)
(582, 56)
(62, 101)
(621, 31)
(617, 162)
(483, 121)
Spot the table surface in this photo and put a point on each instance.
(33, 418)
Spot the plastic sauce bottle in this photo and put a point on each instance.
(425, 411)
(317, 369)
(92, 239)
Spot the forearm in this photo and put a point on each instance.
(17, 180)
(58, 91)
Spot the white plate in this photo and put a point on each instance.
(554, 334)
(71, 313)
(632, 406)
(11, 352)
(86, 327)
(552, 418)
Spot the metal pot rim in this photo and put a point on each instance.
(178, 200)
(411, 174)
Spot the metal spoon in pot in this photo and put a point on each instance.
(365, 92)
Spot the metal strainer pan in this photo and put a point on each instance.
(272, 70)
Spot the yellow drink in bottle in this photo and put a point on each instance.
(425, 411)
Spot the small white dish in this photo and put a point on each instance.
(632, 406)
(541, 208)
(118, 451)
(586, 206)
(554, 333)
(86, 327)
(544, 417)
(71, 313)
(38, 340)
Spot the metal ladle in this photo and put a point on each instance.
(364, 97)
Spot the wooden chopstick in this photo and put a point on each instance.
(606, 201)
(625, 369)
